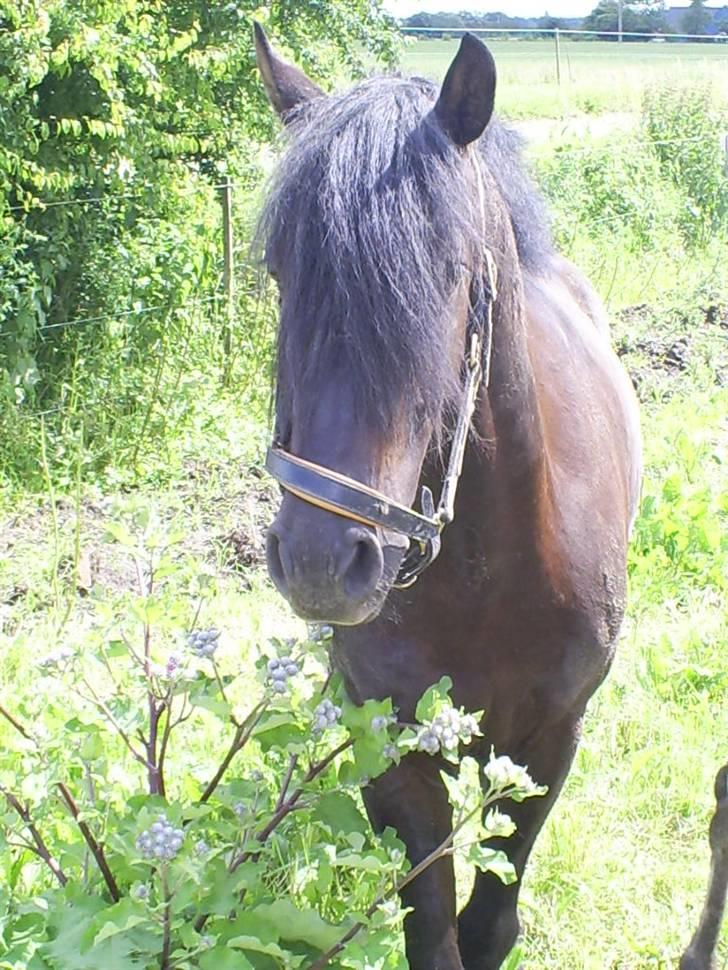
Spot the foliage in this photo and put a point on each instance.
(127, 845)
(640, 189)
(647, 17)
(117, 123)
(685, 125)
(696, 18)
(613, 189)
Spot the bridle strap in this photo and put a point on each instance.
(337, 493)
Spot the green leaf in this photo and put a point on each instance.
(340, 812)
(252, 943)
(120, 918)
(216, 705)
(221, 958)
(303, 925)
(433, 699)
(118, 532)
(491, 860)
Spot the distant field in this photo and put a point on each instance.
(595, 77)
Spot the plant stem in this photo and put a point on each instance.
(40, 847)
(96, 850)
(17, 725)
(166, 923)
(240, 739)
(282, 810)
(290, 803)
(443, 849)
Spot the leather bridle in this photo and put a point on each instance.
(344, 496)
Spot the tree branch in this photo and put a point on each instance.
(17, 725)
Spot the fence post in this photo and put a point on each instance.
(228, 278)
(557, 42)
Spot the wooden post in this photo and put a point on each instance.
(620, 4)
(228, 278)
(557, 42)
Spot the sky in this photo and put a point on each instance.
(515, 8)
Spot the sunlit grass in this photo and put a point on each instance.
(596, 76)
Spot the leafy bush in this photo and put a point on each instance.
(127, 845)
(684, 126)
(116, 125)
(613, 190)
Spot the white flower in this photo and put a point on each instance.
(502, 773)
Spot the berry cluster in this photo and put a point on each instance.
(320, 632)
(203, 643)
(161, 840)
(446, 731)
(279, 670)
(57, 658)
(325, 716)
(382, 721)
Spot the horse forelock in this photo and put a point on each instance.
(370, 225)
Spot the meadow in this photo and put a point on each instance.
(596, 76)
(618, 875)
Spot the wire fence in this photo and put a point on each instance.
(140, 309)
(223, 301)
(457, 30)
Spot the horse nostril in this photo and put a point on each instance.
(361, 564)
(275, 563)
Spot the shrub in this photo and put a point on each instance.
(684, 126)
(166, 808)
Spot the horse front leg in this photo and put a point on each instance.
(489, 925)
(412, 799)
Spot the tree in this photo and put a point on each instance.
(643, 17)
(123, 116)
(696, 18)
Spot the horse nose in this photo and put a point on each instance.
(280, 564)
(329, 579)
(360, 565)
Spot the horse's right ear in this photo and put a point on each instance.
(468, 92)
(285, 85)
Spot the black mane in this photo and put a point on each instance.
(369, 225)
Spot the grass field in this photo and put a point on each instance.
(618, 875)
(619, 872)
(595, 77)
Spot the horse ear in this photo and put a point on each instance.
(468, 92)
(285, 85)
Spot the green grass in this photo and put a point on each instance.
(596, 77)
(619, 873)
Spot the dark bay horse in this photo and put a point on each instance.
(417, 274)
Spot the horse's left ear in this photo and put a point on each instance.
(286, 86)
(466, 99)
